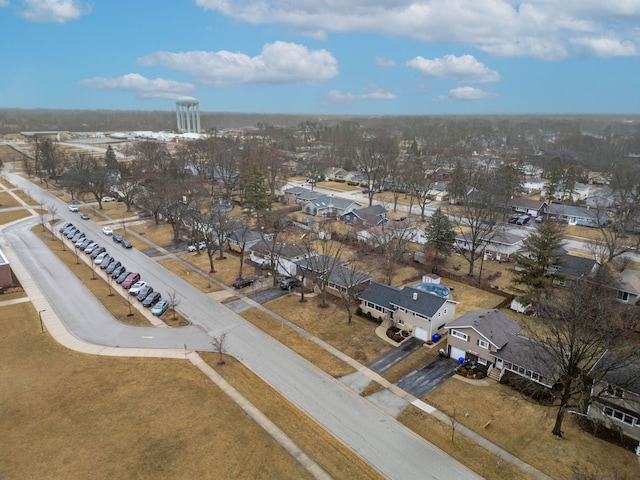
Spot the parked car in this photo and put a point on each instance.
(80, 241)
(523, 220)
(112, 266)
(100, 257)
(97, 251)
(85, 243)
(145, 214)
(118, 271)
(108, 199)
(117, 238)
(123, 276)
(243, 282)
(73, 207)
(126, 243)
(152, 299)
(107, 230)
(84, 216)
(68, 230)
(160, 307)
(139, 285)
(201, 246)
(71, 232)
(91, 247)
(77, 236)
(289, 283)
(144, 293)
(106, 261)
(64, 226)
(131, 280)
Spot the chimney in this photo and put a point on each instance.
(415, 295)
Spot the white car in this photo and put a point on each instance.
(100, 258)
(108, 199)
(107, 230)
(73, 207)
(135, 289)
(201, 246)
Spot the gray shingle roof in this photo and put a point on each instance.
(390, 297)
(492, 324)
(529, 354)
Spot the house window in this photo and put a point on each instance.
(620, 416)
(421, 316)
(614, 391)
(439, 314)
(482, 361)
(623, 296)
(446, 310)
(460, 335)
(483, 344)
(400, 321)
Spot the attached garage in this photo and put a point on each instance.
(455, 352)
(421, 334)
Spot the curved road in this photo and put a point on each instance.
(378, 438)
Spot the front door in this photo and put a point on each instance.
(499, 363)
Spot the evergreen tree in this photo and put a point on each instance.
(256, 196)
(533, 271)
(440, 234)
(110, 159)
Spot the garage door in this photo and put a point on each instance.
(457, 353)
(421, 334)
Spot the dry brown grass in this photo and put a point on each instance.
(70, 415)
(160, 234)
(298, 343)
(12, 216)
(338, 461)
(357, 340)
(340, 186)
(226, 269)
(524, 428)
(461, 448)
(200, 282)
(7, 200)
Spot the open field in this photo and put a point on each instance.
(70, 415)
(7, 200)
(13, 215)
(523, 428)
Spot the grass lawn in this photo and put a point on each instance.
(298, 343)
(357, 340)
(7, 200)
(161, 234)
(188, 275)
(70, 415)
(524, 428)
(8, 217)
(227, 269)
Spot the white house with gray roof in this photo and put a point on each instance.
(420, 313)
(501, 247)
(328, 205)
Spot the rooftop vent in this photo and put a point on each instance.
(415, 295)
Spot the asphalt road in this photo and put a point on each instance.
(378, 438)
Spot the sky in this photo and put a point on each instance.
(331, 57)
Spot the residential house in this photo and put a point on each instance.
(438, 191)
(326, 205)
(616, 394)
(491, 340)
(579, 193)
(242, 237)
(533, 184)
(535, 208)
(570, 267)
(501, 247)
(287, 254)
(334, 173)
(583, 216)
(299, 195)
(334, 271)
(628, 287)
(420, 313)
(371, 216)
(6, 275)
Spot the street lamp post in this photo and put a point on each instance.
(40, 317)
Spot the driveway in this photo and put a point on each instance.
(387, 360)
(420, 382)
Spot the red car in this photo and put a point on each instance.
(130, 280)
(242, 282)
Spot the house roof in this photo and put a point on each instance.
(503, 238)
(372, 215)
(302, 193)
(342, 275)
(492, 324)
(283, 249)
(412, 299)
(629, 281)
(573, 211)
(319, 263)
(326, 201)
(573, 266)
(527, 203)
(623, 372)
(529, 354)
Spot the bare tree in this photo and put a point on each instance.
(374, 158)
(220, 346)
(174, 302)
(53, 210)
(352, 280)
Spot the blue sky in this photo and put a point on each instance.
(353, 57)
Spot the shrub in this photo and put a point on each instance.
(479, 374)
(463, 371)
(394, 335)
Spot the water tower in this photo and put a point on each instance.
(188, 115)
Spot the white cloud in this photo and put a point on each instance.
(463, 69)
(372, 92)
(384, 62)
(605, 47)
(278, 63)
(536, 28)
(465, 94)
(4, 3)
(142, 86)
(54, 11)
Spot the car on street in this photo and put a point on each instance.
(73, 207)
(118, 271)
(135, 289)
(126, 243)
(107, 230)
(160, 307)
(100, 257)
(131, 280)
(144, 292)
(97, 251)
(123, 276)
(84, 216)
(112, 266)
(108, 199)
(152, 299)
(106, 261)
(117, 238)
(288, 283)
(243, 282)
